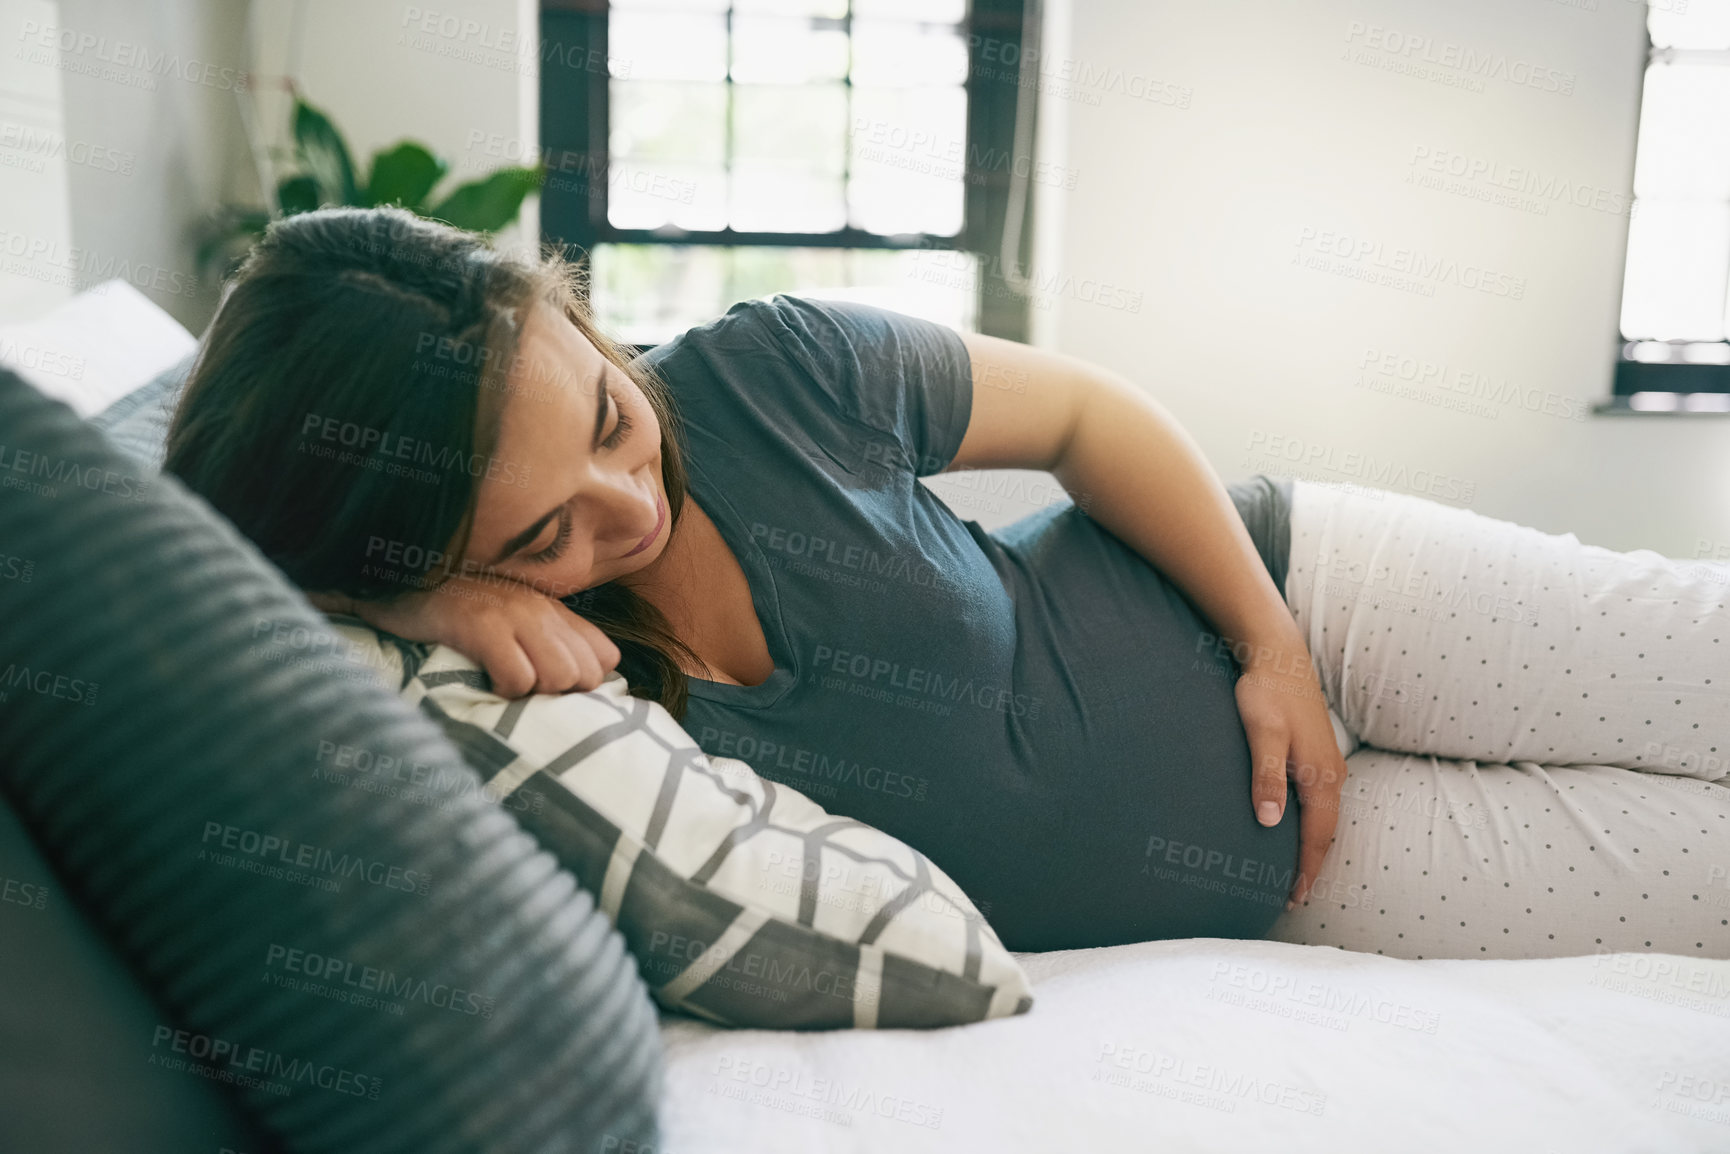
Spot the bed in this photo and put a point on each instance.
(1207, 1044)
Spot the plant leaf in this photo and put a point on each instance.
(297, 194)
(325, 157)
(403, 175)
(488, 204)
(224, 229)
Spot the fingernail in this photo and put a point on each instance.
(1268, 812)
(1289, 905)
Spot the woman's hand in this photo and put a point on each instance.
(1285, 716)
(525, 640)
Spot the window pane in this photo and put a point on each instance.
(1684, 149)
(789, 147)
(898, 52)
(771, 197)
(833, 9)
(803, 127)
(891, 280)
(774, 50)
(1690, 23)
(935, 11)
(1678, 257)
(659, 193)
(670, 5)
(669, 45)
(908, 160)
(649, 293)
(657, 120)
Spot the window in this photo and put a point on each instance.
(1675, 312)
(701, 152)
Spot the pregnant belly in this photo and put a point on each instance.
(1137, 822)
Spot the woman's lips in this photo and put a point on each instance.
(660, 520)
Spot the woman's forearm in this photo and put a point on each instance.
(1146, 480)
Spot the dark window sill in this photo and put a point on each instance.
(1670, 381)
(1684, 405)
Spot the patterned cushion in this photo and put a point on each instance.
(185, 704)
(138, 422)
(743, 901)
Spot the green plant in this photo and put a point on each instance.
(404, 174)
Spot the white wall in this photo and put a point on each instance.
(459, 76)
(1257, 129)
(36, 226)
(121, 127)
(155, 135)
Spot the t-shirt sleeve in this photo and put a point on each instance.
(907, 378)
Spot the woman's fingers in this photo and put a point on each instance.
(593, 652)
(1268, 747)
(557, 667)
(1319, 783)
(508, 665)
(1285, 718)
(568, 651)
(603, 648)
(590, 671)
(526, 641)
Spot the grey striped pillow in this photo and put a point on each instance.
(743, 901)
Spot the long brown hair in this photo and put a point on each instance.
(349, 387)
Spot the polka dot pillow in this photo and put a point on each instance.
(744, 901)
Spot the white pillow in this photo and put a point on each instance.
(743, 901)
(97, 347)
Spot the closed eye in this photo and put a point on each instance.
(621, 429)
(621, 426)
(563, 538)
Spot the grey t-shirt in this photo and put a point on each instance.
(1035, 708)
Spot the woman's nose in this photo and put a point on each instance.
(629, 505)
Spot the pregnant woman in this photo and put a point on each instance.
(1104, 721)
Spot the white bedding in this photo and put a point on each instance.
(95, 348)
(1208, 1044)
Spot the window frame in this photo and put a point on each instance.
(1678, 379)
(574, 103)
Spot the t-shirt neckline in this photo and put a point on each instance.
(765, 599)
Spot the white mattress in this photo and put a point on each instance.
(1208, 1044)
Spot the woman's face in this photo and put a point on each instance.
(573, 498)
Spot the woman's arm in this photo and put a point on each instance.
(1144, 478)
(1138, 472)
(525, 640)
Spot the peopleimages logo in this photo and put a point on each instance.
(840, 554)
(1442, 378)
(1389, 45)
(39, 144)
(47, 684)
(370, 444)
(1369, 259)
(802, 1088)
(353, 978)
(1276, 448)
(1544, 188)
(39, 473)
(120, 60)
(264, 847)
(42, 359)
(877, 678)
(19, 893)
(47, 260)
(765, 755)
(1118, 1060)
(247, 1065)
